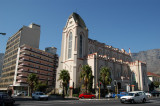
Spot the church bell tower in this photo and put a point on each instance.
(74, 49)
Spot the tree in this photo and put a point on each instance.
(86, 76)
(32, 80)
(105, 77)
(65, 77)
(90, 82)
(40, 86)
(151, 86)
(156, 84)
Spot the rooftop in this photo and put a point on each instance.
(152, 74)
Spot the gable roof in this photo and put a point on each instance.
(78, 20)
(152, 74)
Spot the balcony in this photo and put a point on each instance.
(22, 80)
(23, 74)
(20, 70)
(22, 54)
(18, 77)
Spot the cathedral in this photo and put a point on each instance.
(78, 50)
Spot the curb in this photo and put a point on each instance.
(99, 99)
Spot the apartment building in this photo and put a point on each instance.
(33, 60)
(22, 57)
(29, 35)
(1, 62)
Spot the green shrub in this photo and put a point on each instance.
(75, 95)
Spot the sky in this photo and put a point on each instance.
(133, 24)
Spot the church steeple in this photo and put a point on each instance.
(77, 19)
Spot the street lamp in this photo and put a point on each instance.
(2, 33)
(116, 88)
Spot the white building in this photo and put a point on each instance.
(29, 35)
(77, 50)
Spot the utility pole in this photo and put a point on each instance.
(116, 88)
(99, 92)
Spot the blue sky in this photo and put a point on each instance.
(123, 24)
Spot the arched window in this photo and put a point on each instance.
(81, 46)
(133, 78)
(70, 45)
(119, 85)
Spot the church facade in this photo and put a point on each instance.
(78, 50)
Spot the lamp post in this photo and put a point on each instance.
(2, 33)
(116, 88)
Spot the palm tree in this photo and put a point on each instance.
(86, 75)
(32, 80)
(90, 82)
(65, 77)
(41, 86)
(105, 77)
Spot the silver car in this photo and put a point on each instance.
(39, 96)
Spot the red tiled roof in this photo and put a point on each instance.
(152, 74)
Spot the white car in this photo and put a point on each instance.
(39, 96)
(148, 94)
(22, 93)
(109, 95)
(134, 97)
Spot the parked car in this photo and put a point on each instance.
(134, 97)
(122, 94)
(113, 95)
(87, 95)
(39, 96)
(148, 94)
(22, 93)
(110, 95)
(5, 99)
(155, 93)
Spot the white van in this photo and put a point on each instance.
(134, 97)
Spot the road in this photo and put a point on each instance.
(111, 102)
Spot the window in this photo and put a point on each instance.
(144, 82)
(70, 45)
(81, 46)
(133, 78)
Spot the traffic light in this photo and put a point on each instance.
(115, 83)
(98, 84)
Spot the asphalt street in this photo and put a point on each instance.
(90, 102)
